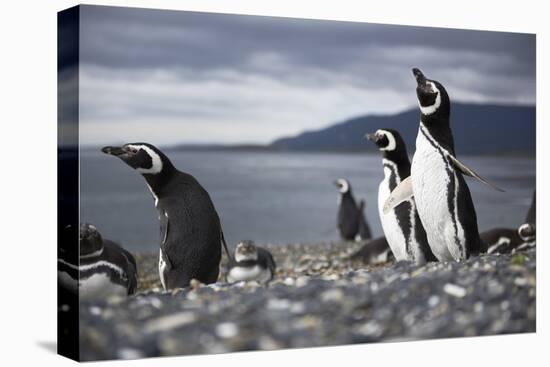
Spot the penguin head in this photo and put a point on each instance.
(389, 142)
(527, 232)
(246, 250)
(91, 241)
(432, 96)
(343, 185)
(143, 157)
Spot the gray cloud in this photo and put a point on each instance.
(214, 77)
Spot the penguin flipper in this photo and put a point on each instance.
(470, 172)
(401, 193)
(164, 227)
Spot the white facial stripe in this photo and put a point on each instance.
(93, 254)
(155, 197)
(391, 140)
(428, 110)
(502, 241)
(102, 263)
(344, 185)
(155, 159)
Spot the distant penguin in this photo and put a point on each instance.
(376, 251)
(501, 240)
(251, 263)
(105, 268)
(402, 226)
(364, 232)
(190, 230)
(441, 194)
(348, 220)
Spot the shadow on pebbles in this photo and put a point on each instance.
(317, 298)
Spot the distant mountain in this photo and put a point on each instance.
(477, 129)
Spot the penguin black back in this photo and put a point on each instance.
(190, 229)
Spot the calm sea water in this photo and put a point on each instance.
(277, 197)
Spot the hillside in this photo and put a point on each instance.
(477, 128)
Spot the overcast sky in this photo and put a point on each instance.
(182, 77)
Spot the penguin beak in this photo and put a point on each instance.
(420, 78)
(372, 137)
(116, 151)
(336, 183)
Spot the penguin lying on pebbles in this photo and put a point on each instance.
(501, 240)
(251, 263)
(441, 194)
(376, 251)
(190, 230)
(506, 240)
(348, 219)
(105, 268)
(364, 229)
(402, 226)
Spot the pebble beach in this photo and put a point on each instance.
(319, 297)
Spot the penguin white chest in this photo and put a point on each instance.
(393, 232)
(430, 182)
(248, 273)
(99, 286)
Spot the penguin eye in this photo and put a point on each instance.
(132, 150)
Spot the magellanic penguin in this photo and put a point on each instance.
(501, 240)
(363, 232)
(402, 226)
(441, 194)
(348, 219)
(374, 252)
(251, 263)
(105, 269)
(190, 230)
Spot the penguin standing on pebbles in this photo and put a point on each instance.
(441, 194)
(402, 227)
(105, 268)
(251, 263)
(348, 220)
(190, 230)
